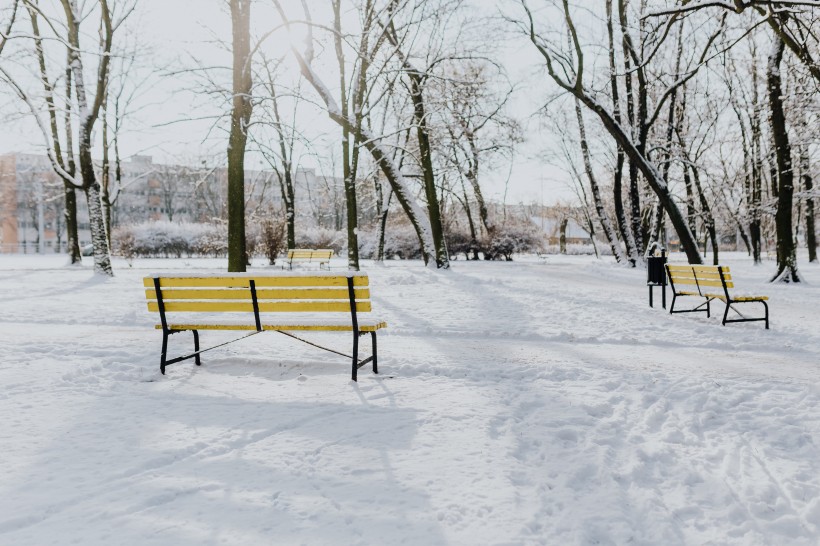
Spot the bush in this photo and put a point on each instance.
(319, 237)
(167, 239)
(272, 236)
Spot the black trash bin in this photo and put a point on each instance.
(656, 276)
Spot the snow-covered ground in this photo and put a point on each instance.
(532, 402)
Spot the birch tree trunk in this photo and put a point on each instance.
(88, 115)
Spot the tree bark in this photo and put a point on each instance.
(786, 251)
(617, 186)
(808, 187)
(426, 158)
(89, 114)
(240, 118)
(348, 164)
(603, 217)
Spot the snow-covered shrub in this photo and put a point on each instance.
(574, 249)
(400, 241)
(459, 241)
(319, 237)
(169, 239)
(514, 236)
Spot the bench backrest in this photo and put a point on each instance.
(259, 294)
(310, 254)
(701, 276)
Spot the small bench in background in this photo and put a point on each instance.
(710, 282)
(309, 255)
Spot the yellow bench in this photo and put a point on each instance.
(283, 303)
(711, 282)
(320, 255)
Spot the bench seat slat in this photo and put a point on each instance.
(361, 293)
(310, 254)
(261, 281)
(722, 297)
(366, 326)
(264, 306)
(696, 268)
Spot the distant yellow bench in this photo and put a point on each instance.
(320, 255)
(703, 281)
(285, 302)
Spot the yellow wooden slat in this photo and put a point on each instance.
(283, 327)
(714, 276)
(708, 282)
(261, 281)
(698, 268)
(306, 253)
(264, 307)
(722, 297)
(169, 294)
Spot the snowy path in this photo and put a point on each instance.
(522, 403)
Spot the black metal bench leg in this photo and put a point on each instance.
(672, 306)
(726, 312)
(766, 305)
(196, 348)
(355, 355)
(164, 351)
(708, 308)
(375, 359)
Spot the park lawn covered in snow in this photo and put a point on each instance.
(532, 402)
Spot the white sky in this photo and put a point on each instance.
(175, 31)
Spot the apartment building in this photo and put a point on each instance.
(32, 198)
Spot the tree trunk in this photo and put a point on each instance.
(286, 178)
(617, 187)
(105, 197)
(89, 114)
(348, 164)
(426, 158)
(240, 118)
(786, 251)
(384, 208)
(470, 224)
(637, 122)
(808, 187)
(755, 232)
(603, 217)
(562, 238)
(69, 187)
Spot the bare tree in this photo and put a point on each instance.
(87, 105)
(568, 74)
(381, 155)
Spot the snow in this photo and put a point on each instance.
(531, 402)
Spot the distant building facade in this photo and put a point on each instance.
(32, 201)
